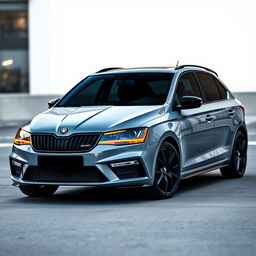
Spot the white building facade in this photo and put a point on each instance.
(47, 46)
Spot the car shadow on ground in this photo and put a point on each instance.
(108, 196)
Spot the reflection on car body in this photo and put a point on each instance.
(133, 127)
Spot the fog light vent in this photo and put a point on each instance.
(16, 167)
(126, 163)
(16, 163)
(128, 169)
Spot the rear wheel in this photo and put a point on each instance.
(38, 190)
(167, 172)
(237, 166)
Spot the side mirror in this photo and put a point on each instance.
(52, 102)
(188, 102)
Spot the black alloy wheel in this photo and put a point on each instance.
(167, 172)
(237, 166)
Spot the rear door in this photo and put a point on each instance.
(196, 126)
(222, 111)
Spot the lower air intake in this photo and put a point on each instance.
(77, 174)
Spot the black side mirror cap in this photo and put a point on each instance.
(52, 102)
(189, 102)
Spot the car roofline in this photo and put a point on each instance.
(156, 69)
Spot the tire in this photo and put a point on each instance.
(237, 165)
(167, 172)
(38, 190)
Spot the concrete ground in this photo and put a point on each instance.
(209, 215)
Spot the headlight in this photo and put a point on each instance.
(22, 138)
(129, 136)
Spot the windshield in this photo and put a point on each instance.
(119, 90)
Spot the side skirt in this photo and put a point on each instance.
(199, 171)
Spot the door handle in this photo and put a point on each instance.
(209, 118)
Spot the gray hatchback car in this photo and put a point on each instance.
(147, 127)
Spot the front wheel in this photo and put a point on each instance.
(167, 172)
(237, 165)
(38, 190)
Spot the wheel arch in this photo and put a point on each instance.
(172, 138)
(230, 171)
(174, 141)
(243, 129)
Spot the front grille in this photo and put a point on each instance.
(128, 172)
(73, 143)
(72, 174)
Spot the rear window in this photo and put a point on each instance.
(210, 88)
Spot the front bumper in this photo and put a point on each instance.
(100, 158)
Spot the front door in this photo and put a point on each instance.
(196, 127)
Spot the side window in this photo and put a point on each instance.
(210, 88)
(187, 86)
(222, 90)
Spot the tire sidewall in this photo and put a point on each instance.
(155, 185)
(233, 163)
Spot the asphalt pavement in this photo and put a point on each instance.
(209, 215)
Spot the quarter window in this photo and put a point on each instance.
(210, 88)
(222, 90)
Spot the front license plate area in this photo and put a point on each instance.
(60, 161)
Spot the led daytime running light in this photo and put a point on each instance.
(124, 141)
(22, 138)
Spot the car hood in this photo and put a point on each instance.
(93, 118)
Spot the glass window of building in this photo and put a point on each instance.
(13, 47)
